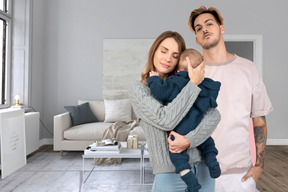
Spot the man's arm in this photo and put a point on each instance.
(260, 134)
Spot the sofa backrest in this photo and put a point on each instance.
(98, 108)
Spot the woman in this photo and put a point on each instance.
(157, 119)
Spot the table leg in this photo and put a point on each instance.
(89, 174)
(141, 170)
(83, 159)
(83, 171)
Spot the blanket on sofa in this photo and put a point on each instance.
(120, 131)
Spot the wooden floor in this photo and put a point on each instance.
(274, 177)
(43, 148)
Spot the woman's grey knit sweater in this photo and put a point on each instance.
(156, 120)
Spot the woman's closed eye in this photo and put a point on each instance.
(176, 56)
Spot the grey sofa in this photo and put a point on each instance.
(77, 138)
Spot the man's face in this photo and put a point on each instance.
(208, 32)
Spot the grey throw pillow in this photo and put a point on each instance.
(81, 114)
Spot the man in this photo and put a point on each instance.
(242, 95)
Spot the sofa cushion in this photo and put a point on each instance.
(81, 114)
(117, 110)
(88, 131)
(97, 107)
(94, 132)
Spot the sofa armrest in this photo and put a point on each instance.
(61, 123)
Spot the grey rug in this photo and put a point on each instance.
(48, 172)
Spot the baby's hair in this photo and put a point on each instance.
(194, 56)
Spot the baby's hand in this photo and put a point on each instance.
(153, 73)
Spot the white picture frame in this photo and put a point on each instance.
(13, 144)
(124, 60)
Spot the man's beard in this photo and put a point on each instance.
(212, 44)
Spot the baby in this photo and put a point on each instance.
(165, 91)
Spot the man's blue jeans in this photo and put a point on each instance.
(172, 182)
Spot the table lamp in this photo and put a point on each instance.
(17, 97)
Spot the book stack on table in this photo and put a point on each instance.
(103, 146)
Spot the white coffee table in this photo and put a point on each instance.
(124, 153)
(145, 155)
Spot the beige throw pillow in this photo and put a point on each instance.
(117, 110)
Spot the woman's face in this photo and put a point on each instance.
(166, 57)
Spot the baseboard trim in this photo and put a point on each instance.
(46, 141)
(277, 142)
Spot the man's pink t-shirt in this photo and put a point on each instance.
(242, 95)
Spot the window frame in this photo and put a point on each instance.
(8, 17)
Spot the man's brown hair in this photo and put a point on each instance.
(196, 12)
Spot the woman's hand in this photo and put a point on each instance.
(179, 144)
(196, 75)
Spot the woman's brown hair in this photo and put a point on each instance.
(150, 64)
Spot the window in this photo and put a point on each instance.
(3, 5)
(5, 26)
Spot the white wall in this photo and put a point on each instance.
(68, 38)
(37, 63)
